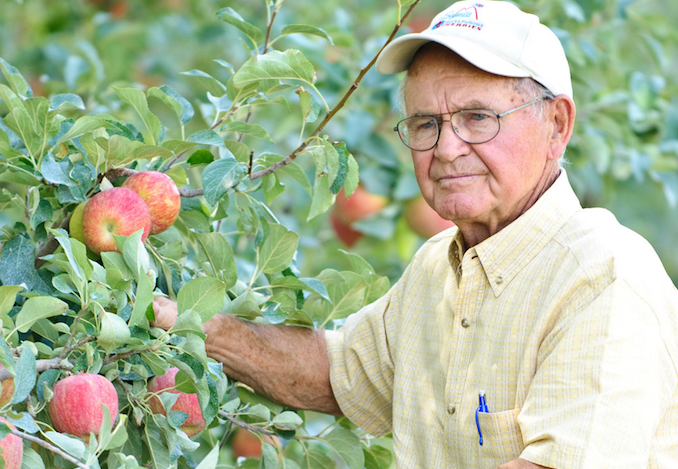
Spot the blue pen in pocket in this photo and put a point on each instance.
(482, 407)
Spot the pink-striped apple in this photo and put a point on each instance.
(187, 403)
(76, 407)
(118, 211)
(12, 449)
(423, 220)
(160, 194)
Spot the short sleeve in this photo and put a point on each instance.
(604, 379)
(361, 368)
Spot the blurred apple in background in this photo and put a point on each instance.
(359, 205)
(187, 403)
(423, 220)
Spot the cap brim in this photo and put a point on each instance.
(398, 55)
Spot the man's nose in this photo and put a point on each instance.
(450, 145)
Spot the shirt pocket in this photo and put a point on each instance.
(502, 438)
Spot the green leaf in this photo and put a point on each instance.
(308, 284)
(210, 460)
(310, 108)
(254, 130)
(288, 65)
(316, 458)
(15, 79)
(21, 123)
(322, 197)
(8, 297)
(137, 99)
(208, 137)
(26, 375)
(211, 84)
(31, 459)
(287, 420)
(39, 307)
(347, 445)
(278, 249)
(219, 177)
(114, 332)
(134, 253)
(230, 16)
(82, 126)
(67, 101)
(188, 323)
(144, 297)
(180, 105)
(220, 256)
(305, 29)
(204, 295)
(158, 451)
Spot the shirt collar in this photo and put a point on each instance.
(505, 253)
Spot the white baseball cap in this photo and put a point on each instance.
(495, 36)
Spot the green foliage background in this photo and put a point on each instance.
(623, 53)
(266, 245)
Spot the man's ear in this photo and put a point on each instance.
(562, 112)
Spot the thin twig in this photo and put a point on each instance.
(57, 363)
(49, 447)
(246, 426)
(292, 156)
(126, 355)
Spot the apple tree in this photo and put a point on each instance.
(74, 306)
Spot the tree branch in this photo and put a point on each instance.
(246, 426)
(57, 363)
(49, 447)
(292, 156)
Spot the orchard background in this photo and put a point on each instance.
(214, 94)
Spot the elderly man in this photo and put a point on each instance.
(536, 333)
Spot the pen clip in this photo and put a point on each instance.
(482, 407)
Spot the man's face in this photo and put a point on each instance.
(478, 186)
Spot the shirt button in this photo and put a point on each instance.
(499, 280)
(451, 409)
(465, 322)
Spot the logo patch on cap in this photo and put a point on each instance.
(466, 17)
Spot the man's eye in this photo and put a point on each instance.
(427, 124)
(478, 116)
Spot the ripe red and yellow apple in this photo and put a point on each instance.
(187, 403)
(423, 220)
(117, 211)
(12, 448)
(75, 407)
(359, 205)
(161, 196)
(7, 390)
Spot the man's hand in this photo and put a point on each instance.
(520, 464)
(289, 364)
(165, 312)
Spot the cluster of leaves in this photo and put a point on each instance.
(67, 310)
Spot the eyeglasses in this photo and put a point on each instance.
(421, 133)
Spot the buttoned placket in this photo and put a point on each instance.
(467, 303)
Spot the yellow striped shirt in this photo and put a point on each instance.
(567, 321)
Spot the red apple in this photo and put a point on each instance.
(7, 390)
(423, 220)
(160, 194)
(344, 232)
(187, 403)
(12, 449)
(359, 205)
(76, 407)
(118, 211)
(246, 444)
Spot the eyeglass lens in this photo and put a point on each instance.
(472, 126)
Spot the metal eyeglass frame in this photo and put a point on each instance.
(440, 122)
